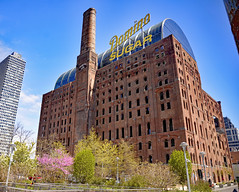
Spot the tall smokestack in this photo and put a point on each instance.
(88, 31)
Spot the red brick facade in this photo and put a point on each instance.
(152, 98)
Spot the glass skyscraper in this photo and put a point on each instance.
(232, 135)
(11, 76)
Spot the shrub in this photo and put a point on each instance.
(136, 181)
(201, 186)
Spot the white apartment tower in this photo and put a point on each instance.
(11, 76)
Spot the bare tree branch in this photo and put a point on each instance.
(22, 134)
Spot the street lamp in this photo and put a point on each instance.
(184, 145)
(117, 174)
(12, 148)
(202, 153)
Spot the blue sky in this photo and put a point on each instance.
(47, 33)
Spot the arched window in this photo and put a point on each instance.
(166, 143)
(167, 94)
(150, 159)
(167, 158)
(164, 126)
(149, 145)
(172, 142)
(140, 146)
(171, 124)
(148, 128)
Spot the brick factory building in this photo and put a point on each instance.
(146, 91)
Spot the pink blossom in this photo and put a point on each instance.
(57, 161)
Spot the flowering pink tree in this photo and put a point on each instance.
(55, 166)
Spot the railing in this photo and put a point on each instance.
(53, 187)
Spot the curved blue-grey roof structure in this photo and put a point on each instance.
(65, 78)
(158, 32)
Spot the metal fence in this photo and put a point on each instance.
(53, 187)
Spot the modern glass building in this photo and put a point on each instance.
(232, 135)
(11, 76)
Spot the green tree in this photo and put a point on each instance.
(128, 161)
(4, 162)
(84, 166)
(177, 164)
(157, 175)
(23, 164)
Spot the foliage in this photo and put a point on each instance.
(105, 153)
(55, 166)
(136, 181)
(4, 162)
(157, 175)
(127, 158)
(84, 166)
(177, 165)
(23, 164)
(201, 186)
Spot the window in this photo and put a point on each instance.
(140, 146)
(160, 83)
(122, 106)
(139, 130)
(165, 72)
(145, 78)
(168, 105)
(109, 134)
(130, 114)
(150, 159)
(172, 142)
(138, 102)
(137, 82)
(117, 108)
(167, 158)
(148, 128)
(166, 81)
(122, 116)
(103, 121)
(109, 119)
(138, 112)
(117, 133)
(103, 135)
(166, 143)
(122, 132)
(129, 84)
(147, 110)
(129, 93)
(109, 99)
(131, 131)
(164, 126)
(146, 87)
(146, 100)
(162, 107)
(171, 124)
(167, 94)
(117, 117)
(103, 111)
(159, 73)
(137, 90)
(130, 104)
(161, 95)
(149, 145)
(109, 109)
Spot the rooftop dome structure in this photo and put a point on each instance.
(158, 32)
(65, 78)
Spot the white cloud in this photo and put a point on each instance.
(4, 51)
(29, 111)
